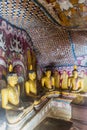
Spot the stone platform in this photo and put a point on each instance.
(54, 124)
(56, 108)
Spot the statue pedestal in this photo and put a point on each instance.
(69, 95)
(79, 112)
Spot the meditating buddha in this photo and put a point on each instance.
(31, 85)
(64, 80)
(48, 81)
(75, 83)
(11, 94)
(84, 77)
(56, 79)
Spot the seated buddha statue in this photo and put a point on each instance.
(84, 77)
(11, 94)
(48, 81)
(64, 80)
(56, 79)
(75, 83)
(31, 85)
(16, 109)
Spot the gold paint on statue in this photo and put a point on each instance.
(75, 83)
(11, 94)
(64, 80)
(56, 79)
(10, 68)
(48, 81)
(30, 85)
(84, 76)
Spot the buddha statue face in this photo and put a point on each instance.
(64, 72)
(48, 73)
(56, 73)
(75, 73)
(12, 79)
(32, 76)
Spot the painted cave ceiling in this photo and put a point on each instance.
(57, 28)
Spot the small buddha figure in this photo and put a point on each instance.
(31, 85)
(56, 79)
(11, 94)
(75, 83)
(48, 81)
(64, 80)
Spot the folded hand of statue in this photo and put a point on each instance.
(21, 108)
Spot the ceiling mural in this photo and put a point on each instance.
(66, 13)
(71, 14)
(46, 22)
(23, 13)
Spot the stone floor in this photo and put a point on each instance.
(54, 124)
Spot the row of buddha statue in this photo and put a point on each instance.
(73, 83)
(11, 94)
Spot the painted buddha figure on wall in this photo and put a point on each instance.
(48, 81)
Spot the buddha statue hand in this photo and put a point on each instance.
(77, 91)
(21, 108)
(52, 88)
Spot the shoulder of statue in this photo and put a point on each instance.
(4, 90)
(27, 82)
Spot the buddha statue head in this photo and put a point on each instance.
(48, 73)
(56, 73)
(12, 79)
(75, 73)
(64, 72)
(31, 73)
(75, 67)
